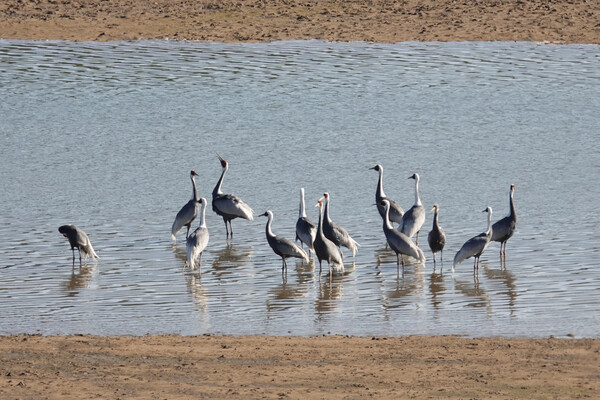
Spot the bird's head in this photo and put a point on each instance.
(384, 203)
(319, 203)
(512, 187)
(265, 214)
(377, 168)
(193, 173)
(488, 210)
(326, 195)
(435, 207)
(223, 162)
(414, 176)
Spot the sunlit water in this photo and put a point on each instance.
(103, 135)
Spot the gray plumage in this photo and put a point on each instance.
(396, 212)
(306, 231)
(475, 246)
(334, 232)
(283, 247)
(229, 206)
(398, 241)
(414, 218)
(188, 212)
(79, 240)
(198, 240)
(503, 229)
(437, 236)
(325, 249)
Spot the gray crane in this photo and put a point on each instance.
(396, 212)
(414, 218)
(188, 212)
(437, 236)
(325, 249)
(198, 240)
(398, 241)
(475, 246)
(283, 247)
(503, 229)
(229, 206)
(79, 240)
(334, 232)
(305, 228)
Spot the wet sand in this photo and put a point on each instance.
(333, 367)
(561, 21)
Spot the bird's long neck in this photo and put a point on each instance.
(202, 214)
(513, 211)
(268, 230)
(386, 220)
(327, 210)
(302, 213)
(320, 224)
(380, 195)
(417, 198)
(217, 189)
(195, 190)
(435, 220)
(488, 232)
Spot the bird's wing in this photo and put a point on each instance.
(185, 216)
(289, 249)
(231, 205)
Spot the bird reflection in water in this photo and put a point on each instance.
(436, 288)
(195, 288)
(472, 290)
(330, 291)
(411, 281)
(231, 257)
(507, 279)
(79, 279)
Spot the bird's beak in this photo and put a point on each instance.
(372, 167)
(432, 209)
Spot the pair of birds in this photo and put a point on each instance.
(228, 206)
(325, 239)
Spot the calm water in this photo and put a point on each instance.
(103, 135)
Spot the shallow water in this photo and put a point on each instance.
(103, 135)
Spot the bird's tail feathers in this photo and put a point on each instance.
(173, 237)
(89, 250)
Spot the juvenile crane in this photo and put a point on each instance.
(414, 218)
(79, 240)
(437, 236)
(334, 232)
(229, 206)
(398, 241)
(188, 212)
(475, 246)
(325, 249)
(503, 229)
(283, 247)
(198, 240)
(305, 228)
(396, 212)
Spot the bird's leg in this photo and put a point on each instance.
(341, 254)
(320, 267)
(187, 231)
(398, 260)
(442, 256)
(230, 229)
(417, 239)
(433, 260)
(200, 259)
(79, 258)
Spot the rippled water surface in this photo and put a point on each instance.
(103, 135)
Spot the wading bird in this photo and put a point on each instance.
(283, 247)
(79, 240)
(325, 249)
(305, 229)
(229, 206)
(334, 232)
(197, 241)
(396, 212)
(475, 246)
(413, 219)
(503, 229)
(188, 212)
(437, 236)
(398, 241)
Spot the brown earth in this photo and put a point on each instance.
(563, 21)
(332, 367)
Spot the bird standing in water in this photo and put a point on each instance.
(503, 229)
(198, 240)
(188, 212)
(396, 212)
(475, 246)
(229, 206)
(283, 247)
(437, 236)
(79, 240)
(334, 232)
(305, 228)
(414, 218)
(325, 249)
(398, 241)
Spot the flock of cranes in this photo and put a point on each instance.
(327, 238)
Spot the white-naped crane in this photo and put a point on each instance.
(336, 233)
(281, 246)
(306, 231)
(325, 249)
(229, 206)
(79, 240)
(503, 229)
(396, 212)
(414, 218)
(198, 240)
(188, 212)
(398, 241)
(475, 246)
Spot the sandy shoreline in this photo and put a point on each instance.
(561, 21)
(335, 367)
